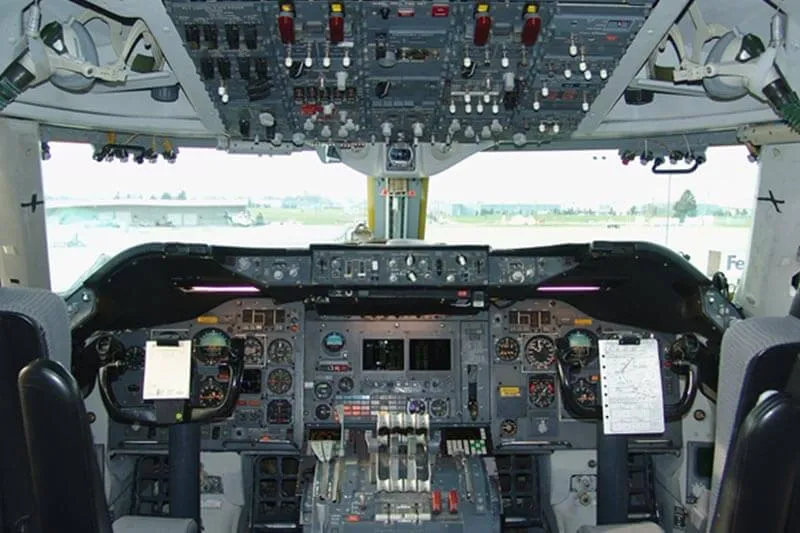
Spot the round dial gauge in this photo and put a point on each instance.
(333, 342)
(134, 357)
(279, 412)
(540, 351)
(507, 349)
(585, 393)
(211, 346)
(279, 381)
(280, 351)
(508, 428)
(346, 384)
(323, 390)
(253, 351)
(439, 408)
(580, 347)
(322, 412)
(211, 393)
(415, 407)
(542, 391)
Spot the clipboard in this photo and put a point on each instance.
(167, 370)
(631, 386)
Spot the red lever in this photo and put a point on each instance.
(452, 501)
(436, 501)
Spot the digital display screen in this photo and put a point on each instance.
(429, 354)
(251, 381)
(382, 354)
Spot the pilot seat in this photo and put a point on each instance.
(756, 458)
(51, 477)
(32, 325)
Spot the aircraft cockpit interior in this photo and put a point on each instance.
(387, 381)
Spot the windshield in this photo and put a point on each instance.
(96, 210)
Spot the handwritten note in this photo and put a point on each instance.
(167, 371)
(633, 399)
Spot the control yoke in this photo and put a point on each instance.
(171, 412)
(672, 412)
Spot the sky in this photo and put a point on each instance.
(585, 178)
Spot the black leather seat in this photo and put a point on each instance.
(67, 484)
(756, 458)
(33, 324)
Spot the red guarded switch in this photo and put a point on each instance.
(531, 29)
(483, 25)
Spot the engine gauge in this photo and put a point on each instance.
(415, 407)
(279, 381)
(542, 390)
(579, 347)
(322, 411)
(211, 393)
(279, 412)
(134, 358)
(323, 390)
(279, 351)
(346, 384)
(540, 351)
(333, 342)
(508, 428)
(439, 408)
(585, 393)
(211, 346)
(253, 351)
(507, 349)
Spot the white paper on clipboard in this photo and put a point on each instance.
(167, 371)
(630, 385)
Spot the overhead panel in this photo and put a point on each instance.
(352, 73)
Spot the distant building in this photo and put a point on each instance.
(145, 213)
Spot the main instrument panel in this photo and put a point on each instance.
(493, 370)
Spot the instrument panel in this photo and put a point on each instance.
(529, 339)
(356, 368)
(493, 369)
(270, 337)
